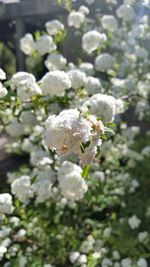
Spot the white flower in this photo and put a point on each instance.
(21, 187)
(25, 84)
(109, 23)
(99, 176)
(6, 205)
(54, 26)
(74, 256)
(120, 106)
(93, 40)
(126, 262)
(45, 45)
(78, 78)
(104, 62)
(84, 10)
(93, 85)
(126, 12)
(68, 167)
(134, 184)
(55, 62)
(55, 83)
(116, 255)
(2, 75)
(3, 91)
(37, 155)
(96, 255)
(76, 19)
(143, 237)
(82, 259)
(102, 106)
(27, 44)
(106, 262)
(107, 232)
(87, 67)
(69, 129)
(28, 118)
(21, 233)
(3, 250)
(22, 261)
(71, 183)
(134, 222)
(42, 189)
(142, 263)
(15, 128)
(146, 151)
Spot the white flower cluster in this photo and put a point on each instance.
(6, 206)
(26, 85)
(55, 62)
(70, 131)
(77, 18)
(44, 44)
(109, 23)
(104, 62)
(27, 44)
(55, 83)
(93, 40)
(102, 106)
(71, 182)
(134, 222)
(126, 12)
(54, 26)
(3, 90)
(21, 187)
(78, 78)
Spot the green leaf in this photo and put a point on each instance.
(86, 171)
(109, 130)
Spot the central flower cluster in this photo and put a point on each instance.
(72, 132)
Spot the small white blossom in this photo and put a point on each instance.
(71, 183)
(106, 262)
(55, 62)
(126, 262)
(109, 23)
(87, 67)
(78, 78)
(74, 256)
(27, 44)
(55, 83)
(134, 222)
(25, 84)
(75, 19)
(142, 263)
(104, 62)
(93, 40)
(82, 259)
(84, 10)
(6, 205)
(45, 45)
(54, 26)
(3, 91)
(3, 250)
(21, 187)
(102, 106)
(93, 85)
(126, 12)
(15, 128)
(2, 75)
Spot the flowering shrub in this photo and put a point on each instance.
(77, 201)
